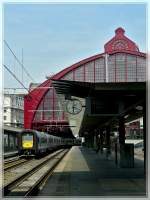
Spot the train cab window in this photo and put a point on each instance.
(27, 137)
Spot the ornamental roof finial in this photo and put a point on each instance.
(120, 31)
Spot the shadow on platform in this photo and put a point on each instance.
(85, 173)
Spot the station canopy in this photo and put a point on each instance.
(107, 101)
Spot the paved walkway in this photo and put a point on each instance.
(85, 173)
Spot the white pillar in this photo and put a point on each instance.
(106, 65)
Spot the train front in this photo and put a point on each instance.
(26, 144)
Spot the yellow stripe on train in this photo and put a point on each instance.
(27, 144)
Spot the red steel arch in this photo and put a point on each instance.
(33, 99)
(124, 63)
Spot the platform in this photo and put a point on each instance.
(85, 173)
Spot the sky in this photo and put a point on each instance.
(55, 36)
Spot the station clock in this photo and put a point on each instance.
(73, 106)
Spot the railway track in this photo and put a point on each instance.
(9, 164)
(27, 180)
(7, 160)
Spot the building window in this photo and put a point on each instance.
(5, 110)
(5, 117)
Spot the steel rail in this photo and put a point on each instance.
(41, 182)
(10, 186)
(8, 160)
(14, 163)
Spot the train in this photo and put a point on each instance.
(33, 142)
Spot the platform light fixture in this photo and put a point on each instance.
(139, 108)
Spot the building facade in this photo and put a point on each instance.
(121, 61)
(13, 110)
(134, 129)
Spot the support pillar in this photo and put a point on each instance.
(121, 130)
(145, 135)
(95, 139)
(91, 140)
(108, 140)
(126, 150)
(108, 135)
(102, 139)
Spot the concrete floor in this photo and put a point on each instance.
(85, 173)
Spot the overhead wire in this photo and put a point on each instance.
(15, 77)
(18, 80)
(19, 61)
(13, 74)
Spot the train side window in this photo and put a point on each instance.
(12, 142)
(5, 140)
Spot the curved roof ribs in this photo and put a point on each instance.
(118, 44)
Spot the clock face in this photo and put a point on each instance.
(74, 106)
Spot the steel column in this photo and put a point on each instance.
(145, 135)
(94, 71)
(126, 70)
(121, 130)
(73, 75)
(53, 104)
(115, 68)
(84, 78)
(108, 140)
(136, 70)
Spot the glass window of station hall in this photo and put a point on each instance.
(118, 63)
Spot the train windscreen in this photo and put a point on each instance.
(27, 137)
(27, 140)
